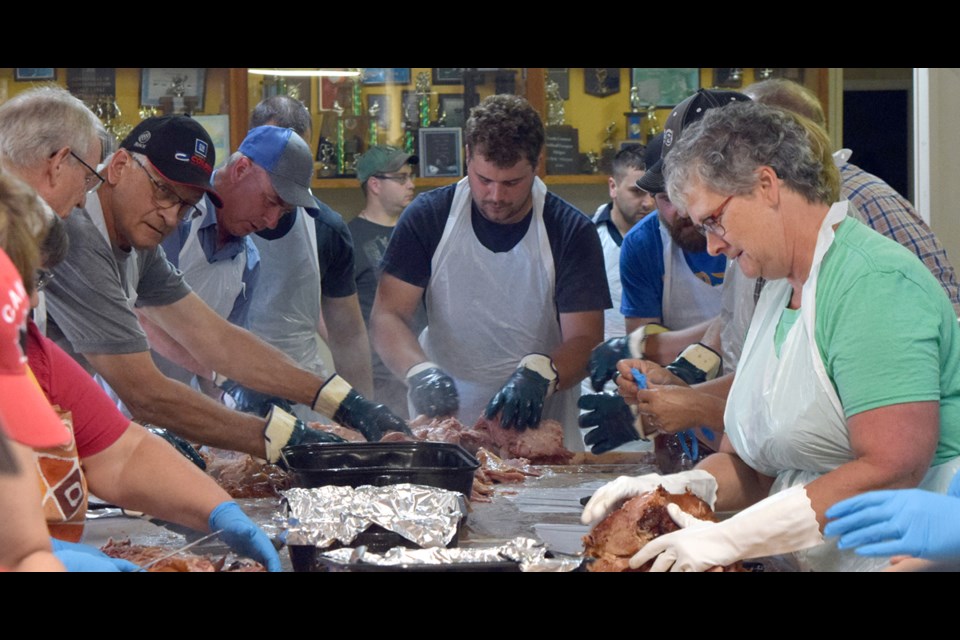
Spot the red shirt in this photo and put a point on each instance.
(97, 423)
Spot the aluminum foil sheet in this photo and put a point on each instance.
(530, 554)
(427, 516)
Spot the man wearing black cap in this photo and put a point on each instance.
(116, 271)
(668, 277)
(386, 178)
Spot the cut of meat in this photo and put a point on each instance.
(641, 519)
(182, 562)
(244, 476)
(541, 445)
(350, 435)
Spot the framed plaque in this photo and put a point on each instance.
(296, 88)
(601, 81)
(383, 108)
(447, 76)
(451, 104)
(563, 150)
(22, 74)
(665, 87)
(374, 76)
(441, 152)
(92, 84)
(176, 84)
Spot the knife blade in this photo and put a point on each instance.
(189, 545)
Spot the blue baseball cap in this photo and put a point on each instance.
(286, 158)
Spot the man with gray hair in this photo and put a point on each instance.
(48, 139)
(305, 297)
(115, 271)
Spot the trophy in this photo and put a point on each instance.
(374, 111)
(634, 116)
(593, 162)
(651, 126)
(340, 150)
(328, 153)
(555, 112)
(608, 150)
(423, 97)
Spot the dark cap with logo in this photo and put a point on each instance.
(178, 148)
(683, 115)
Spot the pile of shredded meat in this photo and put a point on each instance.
(182, 562)
(614, 540)
(244, 476)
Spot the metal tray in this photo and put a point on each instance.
(435, 464)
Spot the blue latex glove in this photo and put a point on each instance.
(613, 419)
(82, 557)
(432, 392)
(909, 522)
(521, 397)
(242, 535)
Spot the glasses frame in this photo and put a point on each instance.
(186, 211)
(711, 223)
(94, 174)
(43, 278)
(401, 180)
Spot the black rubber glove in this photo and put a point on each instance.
(521, 398)
(285, 429)
(336, 398)
(695, 364)
(602, 365)
(432, 392)
(613, 420)
(188, 450)
(250, 401)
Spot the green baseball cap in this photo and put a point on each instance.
(380, 159)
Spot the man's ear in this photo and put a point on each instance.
(55, 165)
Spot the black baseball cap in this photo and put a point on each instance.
(179, 149)
(683, 115)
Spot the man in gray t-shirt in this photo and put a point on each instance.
(115, 272)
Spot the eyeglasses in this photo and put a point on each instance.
(93, 180)
(403, 178)
(165, 198)
(711, 223)
(43, 278)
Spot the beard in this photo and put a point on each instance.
(686, 237)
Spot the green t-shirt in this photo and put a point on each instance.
(886, 330)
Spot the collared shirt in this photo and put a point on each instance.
(208, 237)
(603, 216)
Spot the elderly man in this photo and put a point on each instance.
(386, 179)
(153, 182)
(513, 280)
(48, 139)
(306, 303)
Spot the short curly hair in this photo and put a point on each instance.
(505, 128)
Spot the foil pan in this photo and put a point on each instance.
(529, 554)
(322, 516)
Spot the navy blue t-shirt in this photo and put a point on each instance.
(577, 255)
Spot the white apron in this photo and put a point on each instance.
(487, 310)
(783, 416)
(217, 283)
(687, 300)
(286, 307)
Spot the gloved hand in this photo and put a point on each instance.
(695, 364)
(614, 420)
(83, 557)
(910, 522)
(283, 429)
(432, 392)
(782, 523)
(521, 397)
(188, 450)
(610, 495)
(250, 401)
(336, 398)
(242, 535)
(602, 365)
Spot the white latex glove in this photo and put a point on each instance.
(610, 495)
(782, 523)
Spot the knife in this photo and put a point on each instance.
(189, 545)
